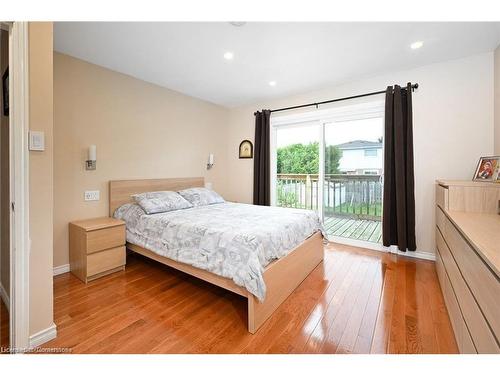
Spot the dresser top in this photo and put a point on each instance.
(482, 231)
(469, 183)
(97, 223)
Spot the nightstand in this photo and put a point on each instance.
(96, 247)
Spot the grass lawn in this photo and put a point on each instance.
(373, 209)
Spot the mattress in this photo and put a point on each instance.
(232, 240)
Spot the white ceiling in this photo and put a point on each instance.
(300, 57)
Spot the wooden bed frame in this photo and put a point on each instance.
(281, 276)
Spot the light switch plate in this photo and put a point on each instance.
(91, 195)
(37, 141)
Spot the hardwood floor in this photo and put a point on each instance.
(356, 301)
(4, 328)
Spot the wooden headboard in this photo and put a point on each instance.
(121, 191)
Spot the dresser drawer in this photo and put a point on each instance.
(482, 282)
(462, 336)
(106, 238)
(481, 334)
(473, 199)
(442, 196)
(451, 305)
(467, 345)
(105, 260)
(441, 220)
(440, 268)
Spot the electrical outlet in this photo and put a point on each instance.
(91, 195)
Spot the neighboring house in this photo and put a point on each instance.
(361, 157)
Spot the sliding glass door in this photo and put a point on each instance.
(352, 203)
(331, 161)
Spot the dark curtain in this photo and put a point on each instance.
(262, 161)
(399, 186)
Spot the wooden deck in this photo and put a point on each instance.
(364, 230)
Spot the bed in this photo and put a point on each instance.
(284, 259)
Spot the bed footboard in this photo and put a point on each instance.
(282, 277)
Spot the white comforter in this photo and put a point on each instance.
(232, 240)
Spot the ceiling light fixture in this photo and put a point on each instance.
(417, 44)
(238, 23)
(228, 55)
(272, 83)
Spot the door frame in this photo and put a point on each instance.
(320, 118)
(19, 183)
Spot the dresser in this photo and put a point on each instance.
(96, 247)
(468, 261)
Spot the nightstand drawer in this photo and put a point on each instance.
(105, 260)
(105, 238)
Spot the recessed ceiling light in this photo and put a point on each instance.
(238, 23)
(272, 83)
(228, 55)
(417, 45)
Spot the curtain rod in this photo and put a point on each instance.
(413, 87)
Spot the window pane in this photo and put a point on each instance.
(297, 166)
(352, 202)
(371, 152)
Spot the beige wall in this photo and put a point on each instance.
(453, 126)
(497, 101)
(41, 175)
(4, 174)
(141, 131)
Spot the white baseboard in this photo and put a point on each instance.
(379, 247)
(415, 254)
(358, 243)
(43, 336)
(59, 270)
(5, 297)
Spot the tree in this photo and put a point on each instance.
(333, 154)
(304, 159)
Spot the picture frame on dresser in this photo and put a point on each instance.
(487, 169)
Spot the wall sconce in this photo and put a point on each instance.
(91, 162)
(210, 163)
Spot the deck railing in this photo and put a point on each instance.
(357, 196)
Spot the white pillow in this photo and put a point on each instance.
(154, 202)
(201, 196)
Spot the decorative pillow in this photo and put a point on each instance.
(154, 202)
(201, 196)
(130, 213)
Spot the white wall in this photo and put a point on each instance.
(497, 101)
(453, 126)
